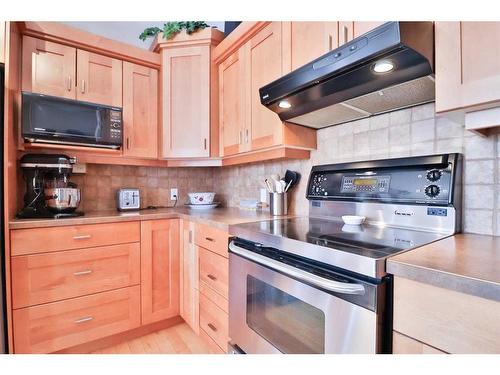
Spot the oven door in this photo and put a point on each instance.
(274, 309)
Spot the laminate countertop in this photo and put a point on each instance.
(217, 217)
(466, 263)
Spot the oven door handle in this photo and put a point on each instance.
(321, 282)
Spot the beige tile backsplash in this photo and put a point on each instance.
(408, 132)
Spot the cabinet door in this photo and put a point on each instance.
(186, 102)
(467, 66)
(99, 79)
(3, 25)
(48, 68)
(346, 32)
(231, 103)
(264, 58)
(311, 40)
(159, 269)
(189, 277)
(359, 28)
(140, 111)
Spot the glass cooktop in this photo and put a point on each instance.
(371, 241)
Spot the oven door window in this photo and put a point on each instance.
(289, 324)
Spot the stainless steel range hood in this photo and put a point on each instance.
(388, 68)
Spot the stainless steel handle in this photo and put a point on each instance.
(128, 143)
(82, 237)
(209, 239)
(330, 42)
(69, 83)
(205, 143)
(212, 327)
(190, 236)
(211, 277)
(331, 285)
(346, 33)
(246, 136)
(81, 273)
(241, 137)
(82, 89)
(84, 319)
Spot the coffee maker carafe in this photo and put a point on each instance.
(49, 194)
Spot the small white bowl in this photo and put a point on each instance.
(201, 198)
(353, 219)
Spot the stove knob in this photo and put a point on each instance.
(434, 175)
(432, 191)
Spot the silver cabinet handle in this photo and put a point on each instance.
(330, 42)
(84, 319)
(331, 285)
(69, 83)
(346, 33)
(82, 237)
(212, 327)
(209, 239)
(205, 143)
(241, 137)
(190, 236)
(246, 135)
(211, 277)
(128, 143)
(83, 87)
(82, 273)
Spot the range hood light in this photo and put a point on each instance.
(284, 104)
(383, 66)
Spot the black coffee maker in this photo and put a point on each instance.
(49, 194)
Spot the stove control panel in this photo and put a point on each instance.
(403, 180)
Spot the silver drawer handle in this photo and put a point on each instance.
(82, 237)
(331, 285)
(81, 273)
(209, 239)
(84, 319)
(211, 277)
(212, 327)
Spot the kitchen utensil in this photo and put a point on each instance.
(62, 200)
(282, 186)
(201, 198)
(278, 204)
(269, 185)
(353, 219)
(128, 199)
(275, 177)
(288, 186)
(202, 206)
(292, 178)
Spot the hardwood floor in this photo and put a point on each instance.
(179, 339)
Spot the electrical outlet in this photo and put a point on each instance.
(174, 194)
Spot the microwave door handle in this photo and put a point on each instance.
(321, 282)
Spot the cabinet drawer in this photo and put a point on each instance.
(211, 238)
(58, 325)
(214, 321)
(43, 278)
(214, 297)
(212, 345)
(214, 271)
(42, 240)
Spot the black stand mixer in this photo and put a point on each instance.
(49, 194)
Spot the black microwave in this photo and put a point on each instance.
(49, 119)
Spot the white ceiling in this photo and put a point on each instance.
(127, 32)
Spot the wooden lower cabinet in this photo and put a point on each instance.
(189, 276)
(159, 269)
(214, 271)
(58, 325)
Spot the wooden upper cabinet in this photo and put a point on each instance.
(467, 65)
(232, 103)
(99, 79)
(362, 27)
(264, 56)
(310, 40)
(186, 101)
(159, 269)
(48, 68)
(140, 111)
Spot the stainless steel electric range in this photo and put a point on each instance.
(316, 285)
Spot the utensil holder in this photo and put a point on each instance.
(278, 204)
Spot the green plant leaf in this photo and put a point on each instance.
(170, 29)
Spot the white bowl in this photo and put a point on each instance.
(353, 219)
(201, 198)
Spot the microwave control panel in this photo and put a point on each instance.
(115, 121)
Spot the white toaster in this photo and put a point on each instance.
(128, 199)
